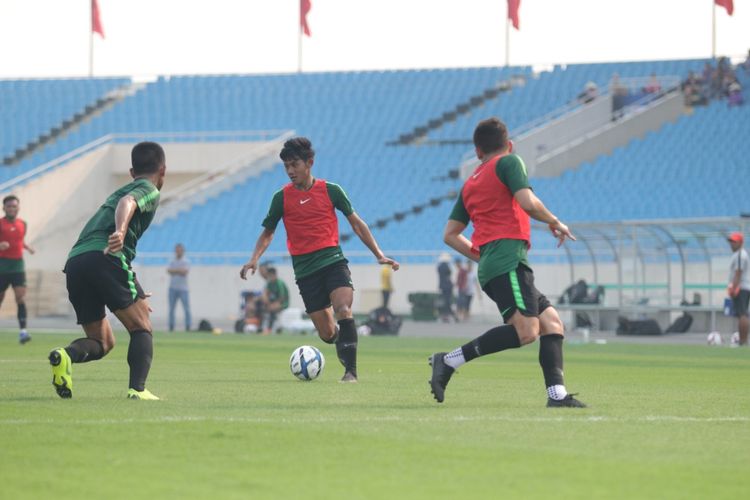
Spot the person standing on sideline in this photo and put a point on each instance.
(308, 208)
(386, 283)
(99, 273)
(178, 285)
(498, 201)
(445, 285)
(466, 292)
(12, 267)
(275, 299)
(739, 283)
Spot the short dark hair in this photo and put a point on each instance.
(297, 148)
(147, 158)
(491, 135)
(271, 270)
(10, 197)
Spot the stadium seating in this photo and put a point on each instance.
(30, 108)
(351, 117)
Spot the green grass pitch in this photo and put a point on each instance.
(664, 422)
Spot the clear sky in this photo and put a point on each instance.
(154, 37)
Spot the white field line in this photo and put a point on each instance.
(383, 419)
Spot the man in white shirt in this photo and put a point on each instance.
(178, 285)
(739, 283)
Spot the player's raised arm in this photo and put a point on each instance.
(533, 206)
(123, 214)
(265, 238)
(362, 230)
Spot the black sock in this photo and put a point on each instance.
(22, 316)
(140, 353)
(493, 340)
(551, 359)
(346, 345)
(333, 339)
(85, 349)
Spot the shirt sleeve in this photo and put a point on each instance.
(511, 171)
(459, 212)
(275, 211)
(146, 196)
(339, 199)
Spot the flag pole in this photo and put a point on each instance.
(299, 41)
(299, 50)
(507, 41)
(713, 30)
(91, 39)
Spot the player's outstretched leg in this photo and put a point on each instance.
(493, 340)
(441, 375)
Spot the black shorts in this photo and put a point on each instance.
(317, 287)
(12, 279)
(95, 280)
(515, 291)
(741, 302)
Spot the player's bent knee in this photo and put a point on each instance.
(528, 336)
(328, 337)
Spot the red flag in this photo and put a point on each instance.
(727, 4)
(96, 21)
(304, 8)
(513, 6)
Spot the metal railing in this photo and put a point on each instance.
(202, 136)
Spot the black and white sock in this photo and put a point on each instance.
(551, 361)
(493, 340)
(140, 354)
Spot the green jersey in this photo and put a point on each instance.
(277, 291)
(95, 233)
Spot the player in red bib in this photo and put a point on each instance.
(307, 206)
(12, 268)
(498, 201)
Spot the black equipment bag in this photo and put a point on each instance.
(637, 327)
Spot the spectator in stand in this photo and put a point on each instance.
(693, 90)
(710, 80)
(590, 92)
(735, 93)
(619, 94)
(746, 65)
(653, 86)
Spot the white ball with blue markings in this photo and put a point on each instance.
(307, 362)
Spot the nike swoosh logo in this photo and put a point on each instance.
(508, 309)
(302, 202)
(475, 176)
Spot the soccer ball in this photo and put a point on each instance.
(307, 362)
(714, 338)
(735, 339)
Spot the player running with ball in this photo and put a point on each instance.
(307, 206)
(498, 201)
